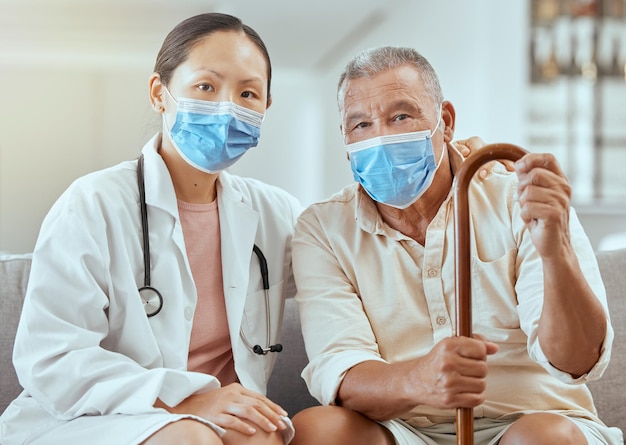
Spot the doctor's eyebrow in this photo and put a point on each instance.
(253, 79)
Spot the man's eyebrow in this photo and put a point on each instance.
(406, 105)
(356, 116)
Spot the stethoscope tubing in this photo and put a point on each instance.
(154, 303)
(148, 301)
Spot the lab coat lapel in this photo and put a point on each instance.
(238, 224)
(160, 189)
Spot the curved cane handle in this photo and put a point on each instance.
(465, 416)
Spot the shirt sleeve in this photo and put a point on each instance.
(335, 341)
(529, 289)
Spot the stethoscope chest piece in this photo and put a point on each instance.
(152, 300)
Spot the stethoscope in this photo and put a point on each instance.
(152, 298)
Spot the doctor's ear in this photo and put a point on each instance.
(156, 93)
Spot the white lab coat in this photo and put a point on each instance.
(90, 361)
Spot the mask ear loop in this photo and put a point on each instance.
(170, 95)
(433, 132)
(438, 120)
(166, 125)
(441, 156)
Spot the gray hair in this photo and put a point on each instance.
(374, 61)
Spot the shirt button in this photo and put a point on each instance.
(188, 313)
(441, 320)
(432, 273)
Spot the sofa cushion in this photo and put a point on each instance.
(14, 271)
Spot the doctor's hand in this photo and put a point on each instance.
(453, 374)
(468, 146)
(544, 197)
(233, 407)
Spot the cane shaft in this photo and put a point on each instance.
(465, 416)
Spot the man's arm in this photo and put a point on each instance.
(573, 322)
(453, 374)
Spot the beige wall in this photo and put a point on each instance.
(62, 117)
(56, 125)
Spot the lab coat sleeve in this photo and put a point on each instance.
(59, 354)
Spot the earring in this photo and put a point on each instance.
(158, 108)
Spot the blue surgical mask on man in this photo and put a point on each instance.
(397, 169)
(212, 136)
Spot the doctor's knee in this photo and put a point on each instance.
(184, 432)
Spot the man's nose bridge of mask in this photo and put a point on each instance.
(382, 126)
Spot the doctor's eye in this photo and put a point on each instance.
(206, 87)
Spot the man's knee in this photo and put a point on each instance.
(543, 429)
(338, 426)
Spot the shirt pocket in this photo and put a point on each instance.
(494, 301)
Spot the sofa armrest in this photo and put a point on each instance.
(608, 391)
(14, 270)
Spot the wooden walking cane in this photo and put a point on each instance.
(465, 416)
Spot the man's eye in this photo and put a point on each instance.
(400, 117)
(361, 125)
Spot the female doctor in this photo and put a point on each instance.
(187, 359)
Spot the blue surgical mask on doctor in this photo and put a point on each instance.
(396, 169)
(212, 136)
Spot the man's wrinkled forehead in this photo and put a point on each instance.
(398, 81)
(367, 98)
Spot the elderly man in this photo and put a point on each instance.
(374, 266)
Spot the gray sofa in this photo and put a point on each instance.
(286, 387)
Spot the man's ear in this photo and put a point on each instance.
(448, 115)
